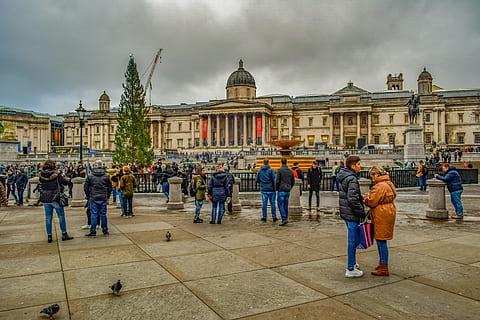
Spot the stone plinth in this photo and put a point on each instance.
(414, 149)
(294, 205)
(175, 200)
(32, 185)
(236, 205)
(78, 194)
(436, 200)
(364, 185)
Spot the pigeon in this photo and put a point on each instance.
(116, 287)
(168, 236)
(51, 310)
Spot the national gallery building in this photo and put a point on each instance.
(348, 118)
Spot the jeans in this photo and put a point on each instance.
(268, 196)
(128, 205)
(20, 195)
(334, 183)
(317, 195)
(456, 198)
(48, 208)
(382, 251)
(11, 189)
(221, 210)
(166, 189)
(422, 181)
(352, 243)
(198, 208)
(122, 201)
(114, 194)
(282, 202)
(98, 208)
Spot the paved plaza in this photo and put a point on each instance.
(242, 269)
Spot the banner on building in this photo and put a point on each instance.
(259, 127)
(204, 129)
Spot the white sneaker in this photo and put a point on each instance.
(86, 227)
(355, 273)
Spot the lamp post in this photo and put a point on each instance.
(81, 114)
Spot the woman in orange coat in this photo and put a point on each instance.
(380, 200)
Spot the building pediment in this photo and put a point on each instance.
(236, 105)
(350, 90)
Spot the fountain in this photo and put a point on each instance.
(285, 152)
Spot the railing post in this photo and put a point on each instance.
(175, 200)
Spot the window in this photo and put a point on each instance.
(375, 119)
(446, 137)
(284, 122)
(376, 139)
(390, 118)
(76, 132)
(169, 143)
(477, 118)
(86, 131)
(274, 122)
(35, 133)
(197, 142)
(168, 128)
(446, 117)
(428, 117)
(460, 138)
(112, 128)
(324, 121)
(350, 121)
(336, 140)
(325, 138)
(460, 118)
(97, 128)
(248, 92)
(428, 138)
(179, 126)
(179, 143)
(197, 124)
(476, 137)
(405, 118)
(297, 138)
(296, 122)
(336, 121)
(391, 138)
(363, 122)
(310, 122)
(311, 140)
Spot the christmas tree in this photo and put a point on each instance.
(132, 138)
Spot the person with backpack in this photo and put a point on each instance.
(198, 188)
(266, 179)
(298, 174)
(314, 180)
(218, 192)
(422, 172)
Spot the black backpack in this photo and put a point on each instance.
(192, 189)
(424, 171)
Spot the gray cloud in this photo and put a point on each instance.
(54, 53)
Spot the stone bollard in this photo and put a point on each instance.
(364, 185)
(32, 185)
(78, 194)
(175, 200)
(294, 206)
(436, 200)
(236, 205)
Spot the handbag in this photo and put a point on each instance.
(365, 233)
(61, 197)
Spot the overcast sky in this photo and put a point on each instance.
(53, 53)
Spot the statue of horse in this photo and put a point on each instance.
(413, 109)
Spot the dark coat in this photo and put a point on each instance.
(266, 178)
(350, 197)
(218, 186)
(167, 174)
(285, 179)
(452, 179)
(314, 178)
(51, 184)
(22, 180)
(98, 185)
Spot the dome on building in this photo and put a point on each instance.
(425, 75)
(104, 97)
(241, 77)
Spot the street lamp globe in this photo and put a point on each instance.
(81, 111)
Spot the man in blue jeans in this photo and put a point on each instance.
(284, 183)
(266, 179)
(351, 210)
(454, 185)
(98, 188)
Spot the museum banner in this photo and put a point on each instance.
(259, 127)
(204, 129)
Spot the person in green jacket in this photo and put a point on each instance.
(128, 183)
(200, 187)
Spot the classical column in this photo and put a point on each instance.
(159, 133)
(358, 127)
(330, 138)
(263, 129)
(235, 130)
(244, 128)
(192, 133)
(209, 130)
(441, 115)
(341, 130)
(107, 136)
(227, 130)
(101, 138)
(435, 124)
(369, 127)
(217, 131)
(254, 128)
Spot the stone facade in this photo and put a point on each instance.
(350, 117)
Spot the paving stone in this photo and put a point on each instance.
(29, 265)
(204, 265)
(171, 302)
(470, 240)
(97, 242)
(296, 234)
(177, 248)
(410, 300)
(146, 226)
(23, 236)
(260, 291)
(85, 258)
(280, 254)
(32, 290)
(448, 250)
(327, 309)
(406, 263)
(328, 276)
(34, 312)
(462, 280)
(333, 245)
(235, 240)
(78, 232)
(14, 228)
(159, 235)
(18, 250)
(82, 283)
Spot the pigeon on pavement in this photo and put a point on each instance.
(168, 236)
(51, 310)
(116, 287)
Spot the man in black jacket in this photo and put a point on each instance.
(285, 181)
(351, 209)
(314, 179)
(98, 188)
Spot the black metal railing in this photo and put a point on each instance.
(401, 178)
